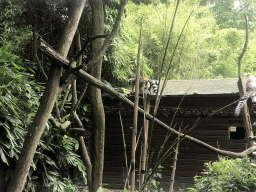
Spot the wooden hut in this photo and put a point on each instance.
(183, 103)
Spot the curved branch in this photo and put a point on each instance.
(245, 111)
(115, 27)
(245, 47)
(111, 35)
(34, 16)
(88, 40)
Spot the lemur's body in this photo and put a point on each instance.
(143, 85)
(250, 91)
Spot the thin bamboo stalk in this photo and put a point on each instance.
(144, 145)
(125, 152)
(174, 165)
(135, 118)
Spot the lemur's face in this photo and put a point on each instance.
(154, 82)
(248, 75)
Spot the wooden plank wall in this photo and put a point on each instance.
(191, 157)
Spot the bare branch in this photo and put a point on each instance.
(88, 40)
(86, 161)
(58, 124)
(64, 99)
(110, 38)
(46, 49)
(78, 47)
(80, 131)
(245, 110)
(35, 42)
(245, 47)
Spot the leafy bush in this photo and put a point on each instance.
(153, 184)
(19, 100)
(119, 62)
(227, 175)
(18, 96)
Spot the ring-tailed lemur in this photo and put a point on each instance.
(150, 86)
(153, 87)
(142, 80)
(250, 92)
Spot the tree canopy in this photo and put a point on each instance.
(210, 44)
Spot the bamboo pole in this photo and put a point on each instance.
(144, 144)
(135, 118)
(174, 164)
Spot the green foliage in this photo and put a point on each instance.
(227, 175)
(222, 60)
(18, 96)
(206, 50)
(250, 55)
(14, 34)
(19, 100)
(153, 184)
(120, 58)
(157, 19)
(55, 182)
(67, 155)
(55, 163)
(230, 13)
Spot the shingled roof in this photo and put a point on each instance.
(201, 86)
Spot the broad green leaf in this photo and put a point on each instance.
(17, 66)
(3, 157)
(85, 108)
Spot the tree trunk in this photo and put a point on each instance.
(51, 92)
(98, 130)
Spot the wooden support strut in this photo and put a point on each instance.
(47, 50)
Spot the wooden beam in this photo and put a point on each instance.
(47, 50)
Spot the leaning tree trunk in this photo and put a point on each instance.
(50, 95)
(98, 130)
(245, 109)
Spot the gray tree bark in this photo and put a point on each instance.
(98, 129)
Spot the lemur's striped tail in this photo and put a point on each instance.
(241, 103)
